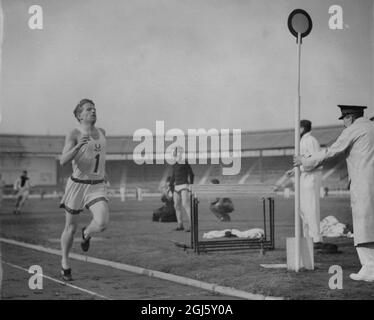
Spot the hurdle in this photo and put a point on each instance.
(266, 242)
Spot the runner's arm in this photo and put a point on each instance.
(16, 185)
(72, 146)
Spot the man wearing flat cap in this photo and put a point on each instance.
(356, 143)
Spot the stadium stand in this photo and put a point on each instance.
(265, 157)
(201, 172)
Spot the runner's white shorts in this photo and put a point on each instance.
(181, 187)
(23, 193)
(80, 195)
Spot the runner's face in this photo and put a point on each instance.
(88, 113)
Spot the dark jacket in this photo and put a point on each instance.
(182, 174)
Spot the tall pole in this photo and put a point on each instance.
(1, 47)
(297, 153)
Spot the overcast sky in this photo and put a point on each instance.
(192, 63)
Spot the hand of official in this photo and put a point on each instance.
(290, 173)
(297, 161)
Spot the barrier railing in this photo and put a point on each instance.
(266, 242)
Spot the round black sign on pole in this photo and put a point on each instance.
(299, 21)
(300, 25)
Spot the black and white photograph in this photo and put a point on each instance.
(187, 154)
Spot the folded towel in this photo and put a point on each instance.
(255, 233)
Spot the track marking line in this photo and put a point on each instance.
(59, 281)
(274, 266)
(76, 239)
(150, 273)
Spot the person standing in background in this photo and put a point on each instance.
(181, 179)
(356, 144)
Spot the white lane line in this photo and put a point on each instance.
(76, 240)
(59, 281)
(151, 273)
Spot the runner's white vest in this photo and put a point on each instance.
(89, 163)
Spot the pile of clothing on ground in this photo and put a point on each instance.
(331, 227)
(166, 213)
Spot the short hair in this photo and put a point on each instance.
(24, 171)
(214, 181)
(79, 107)
(306, 124)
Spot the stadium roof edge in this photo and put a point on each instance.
(281, 139)
(128, 135)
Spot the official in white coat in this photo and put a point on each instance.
(310, 185)
(356, 143)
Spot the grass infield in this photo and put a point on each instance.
(132, 238)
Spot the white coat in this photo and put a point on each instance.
(310, 185)
(357, 144)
